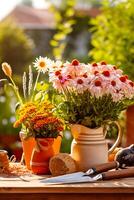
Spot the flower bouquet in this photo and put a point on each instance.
(39, 120)
(41, 129)
(93, 96)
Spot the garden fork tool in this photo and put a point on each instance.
(99, 172)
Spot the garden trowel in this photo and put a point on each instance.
(99, 172)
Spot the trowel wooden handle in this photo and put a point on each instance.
(106, 166)
(123, 173)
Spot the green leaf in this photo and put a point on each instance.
(71, 3)
(58, 17)
(59, 36)
(54, 43)
(38, 96)
(69, 12)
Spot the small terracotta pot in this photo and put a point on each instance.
(29, 144)
(41, 155)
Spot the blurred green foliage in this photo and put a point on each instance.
(66, 142)
(7, 109)
(113, 38)
(79, 32)
(15, 47)
(72, 38)
(64, 22)
(79, 3)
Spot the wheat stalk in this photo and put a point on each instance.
(30, 83)
(24, 85)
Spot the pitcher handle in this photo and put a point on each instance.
(118, 140)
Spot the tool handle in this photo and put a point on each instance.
(105, 167)
(123, 173)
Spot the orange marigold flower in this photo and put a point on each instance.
(39, 124)
(31, 110)
(38, 117)
(60, 128)
(16, 124)
(20, 121)
(53, 123)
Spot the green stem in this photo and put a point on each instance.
(16, 91)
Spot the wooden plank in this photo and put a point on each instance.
(35, 186)
(103, 190)
(23, 196)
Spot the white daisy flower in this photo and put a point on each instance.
(42, 64)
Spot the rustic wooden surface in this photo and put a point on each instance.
(122, 189)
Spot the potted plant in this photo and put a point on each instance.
(93, 95)
(35, 115)
(42, 127)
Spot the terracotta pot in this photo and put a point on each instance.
(28, 144)
(41, 155)
(89, 147)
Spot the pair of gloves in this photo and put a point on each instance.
(125, 156)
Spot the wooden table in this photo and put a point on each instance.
(122, 189)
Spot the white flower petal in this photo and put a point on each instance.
(42, 64)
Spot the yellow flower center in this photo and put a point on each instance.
(42, 64)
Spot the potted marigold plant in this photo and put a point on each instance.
(93, 95)
(41, 129)
(42, 125)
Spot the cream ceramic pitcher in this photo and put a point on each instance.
(89, 146)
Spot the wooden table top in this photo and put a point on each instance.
(34, 185)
